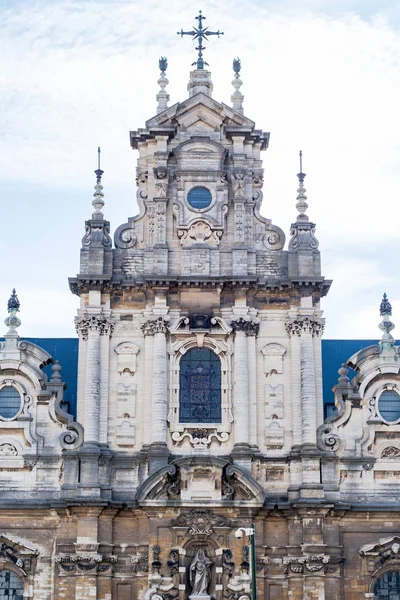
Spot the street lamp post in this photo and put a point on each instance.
(250, 532)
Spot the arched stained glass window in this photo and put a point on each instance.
(389, 406)
(200, 387)
(199, 197)
(10, 402)
(11, 587)
(388, 586)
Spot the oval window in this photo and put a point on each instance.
(10, 402)
(389, 406)
(199, 197)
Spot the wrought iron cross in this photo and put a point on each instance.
(201, 33)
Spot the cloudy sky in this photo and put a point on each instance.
(320, 75)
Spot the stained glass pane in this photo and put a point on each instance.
(11, 586)
(389, 406)
(199, 197)
(388, 586)
(10, 402)
(200, 387)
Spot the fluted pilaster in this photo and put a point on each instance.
(242, 327)
(158, 329)
(90, 327)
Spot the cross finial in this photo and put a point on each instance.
(201, 33)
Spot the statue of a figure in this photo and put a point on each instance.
(200, 574)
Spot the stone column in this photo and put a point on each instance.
(306, 327)
(105, 332)
(159, 452)
(252, 359)
(296, 389)
(242, 326)
(308, 391)
(318, 373)
(89, 329)
(147, 390)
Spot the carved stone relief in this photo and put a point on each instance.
(8, 450)
(200, 232)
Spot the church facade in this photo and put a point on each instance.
(199, 433)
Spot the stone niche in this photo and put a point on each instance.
(126, 393)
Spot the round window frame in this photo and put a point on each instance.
(200, 210)
(15, 385)
(394, 388)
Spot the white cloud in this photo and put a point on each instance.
(78, 74)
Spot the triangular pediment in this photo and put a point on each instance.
(12, 550)
(203, 108)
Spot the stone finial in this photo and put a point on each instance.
(162, 96)
(98, 201)
(386, 325)
(55, 376)
(13, 302)
(385, 306)
(12, 321)
(301, 204)
(343, 374)
(302, 231)
(237, 96)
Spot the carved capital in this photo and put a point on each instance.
(250, 326)
(305, 324)
(153, 326)
(104, 325)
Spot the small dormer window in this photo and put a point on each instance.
(389, 406)
(10, 402)
(199, 198)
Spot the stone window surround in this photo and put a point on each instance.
(191, 184)
(177, 349)
(9, 566)
(24, 399)
(373, 396)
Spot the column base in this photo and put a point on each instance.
(158, 456)
(88, 483)
(242, 455)
(312, 491)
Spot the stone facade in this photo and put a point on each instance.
(117, 505)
